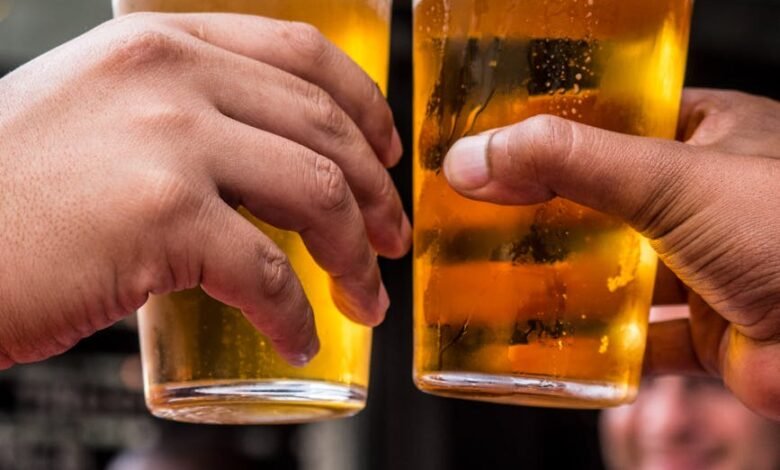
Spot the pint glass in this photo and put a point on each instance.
(202, 360)
(544, 305)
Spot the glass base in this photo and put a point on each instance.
(252, 402)
(525, 390)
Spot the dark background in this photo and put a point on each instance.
(84, 409)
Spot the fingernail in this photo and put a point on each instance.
(396, 146)
(466, 165)
(311, 350)
(299, 360)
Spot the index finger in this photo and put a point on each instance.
(730, 121)
(300, 49)
(692, 112)
(684, 339)
(670, 347)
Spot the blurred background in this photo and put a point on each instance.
(84, 410)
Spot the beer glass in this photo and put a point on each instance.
(544, 305)
(202, 360)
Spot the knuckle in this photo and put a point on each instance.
(165, 118)
(332, 192)
(544, 141)
(723, 121)
(146, 46)
(277, 273)
(552, 136)
(327, 115)
(165, 197)
(306, 40)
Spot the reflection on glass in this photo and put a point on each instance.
(203, 361)
(544, 305)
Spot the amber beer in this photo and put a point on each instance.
(203, 361)
(544, 305)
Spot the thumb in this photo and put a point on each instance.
(652, 184)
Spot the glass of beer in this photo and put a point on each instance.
(202, 360)
(544, 305)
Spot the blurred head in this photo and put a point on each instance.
(688, 423)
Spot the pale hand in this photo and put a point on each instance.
(124, 153)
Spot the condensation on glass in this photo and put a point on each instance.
(544, 305)
(203, 361)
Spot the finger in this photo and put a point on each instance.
(686, 346)
(254, 93)
(730, 121)
(293, 188)
(653, 184)
(670, 349)
(748, 365)
(669, 290)
(670, 342)
(750, 370)
(708, 333)
(301, 50)
(709, 344)
(696, 103)
(243, 268)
